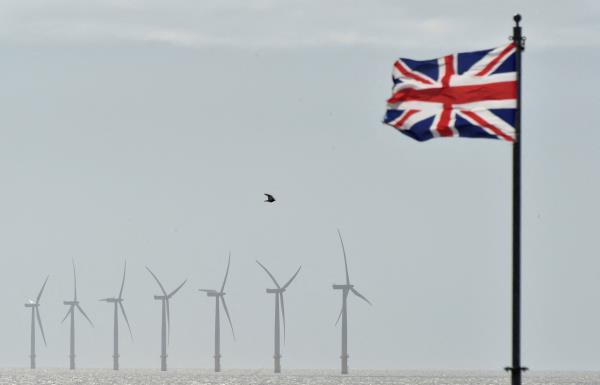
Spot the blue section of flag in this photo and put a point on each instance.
(468, 130)
(509, 115)
(467, 59)
(420, 130)
(391, 115)
(508, 65)
(426, 67)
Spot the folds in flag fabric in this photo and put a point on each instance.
(469, 94)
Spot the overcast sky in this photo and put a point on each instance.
(149, 130)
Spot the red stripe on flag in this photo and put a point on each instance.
(449, 70)
(443, 126)
(458, 94)
(408, 74)
(493, 63)
(404, 118)
(484, 123)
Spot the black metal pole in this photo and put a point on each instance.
(516, 368)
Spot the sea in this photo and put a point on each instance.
(292, 377)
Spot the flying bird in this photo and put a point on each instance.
(270, 198)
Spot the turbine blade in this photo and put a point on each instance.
(227, 314)
(226, 272)
(123, 281)
(270, 275)
(37, 300)
(176, 290)
(85, 315)
(339, 316)
(74, 280)
(207, 290)
(282, 314)
(361, 296)
(39, 319)
(157, 281)
(66, 315)
(126, 320)
(291, 279)
(344, 296)
(345, 259)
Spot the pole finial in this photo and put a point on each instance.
(517, 19)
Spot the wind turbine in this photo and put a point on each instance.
(220, 295)
(72, 305)
(166, 318)
(118, 303)
(348, 287)
(35, 313)
(278, 300)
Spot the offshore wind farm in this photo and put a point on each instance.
(165, 330)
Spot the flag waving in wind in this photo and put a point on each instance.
(469, 94)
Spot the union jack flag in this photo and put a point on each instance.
(469, 94)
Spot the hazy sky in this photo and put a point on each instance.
(149, 130)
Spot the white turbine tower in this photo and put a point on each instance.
(35, 314)
(118, 303)
(72, 305)
(166, 318)
(220, 299)
(348, 287)
(278, 301)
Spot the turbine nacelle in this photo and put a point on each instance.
(71, 303)
(32, 304)
(112, 300)
(342, 287)
(275, 291)
(212, 293)
(160, 297)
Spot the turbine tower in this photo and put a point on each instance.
(118, 303)
(219, 296)
(166, 319)
(35, 313)
(348, 287)
(72, 305)
(278, 301)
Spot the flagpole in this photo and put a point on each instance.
(516, 367)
